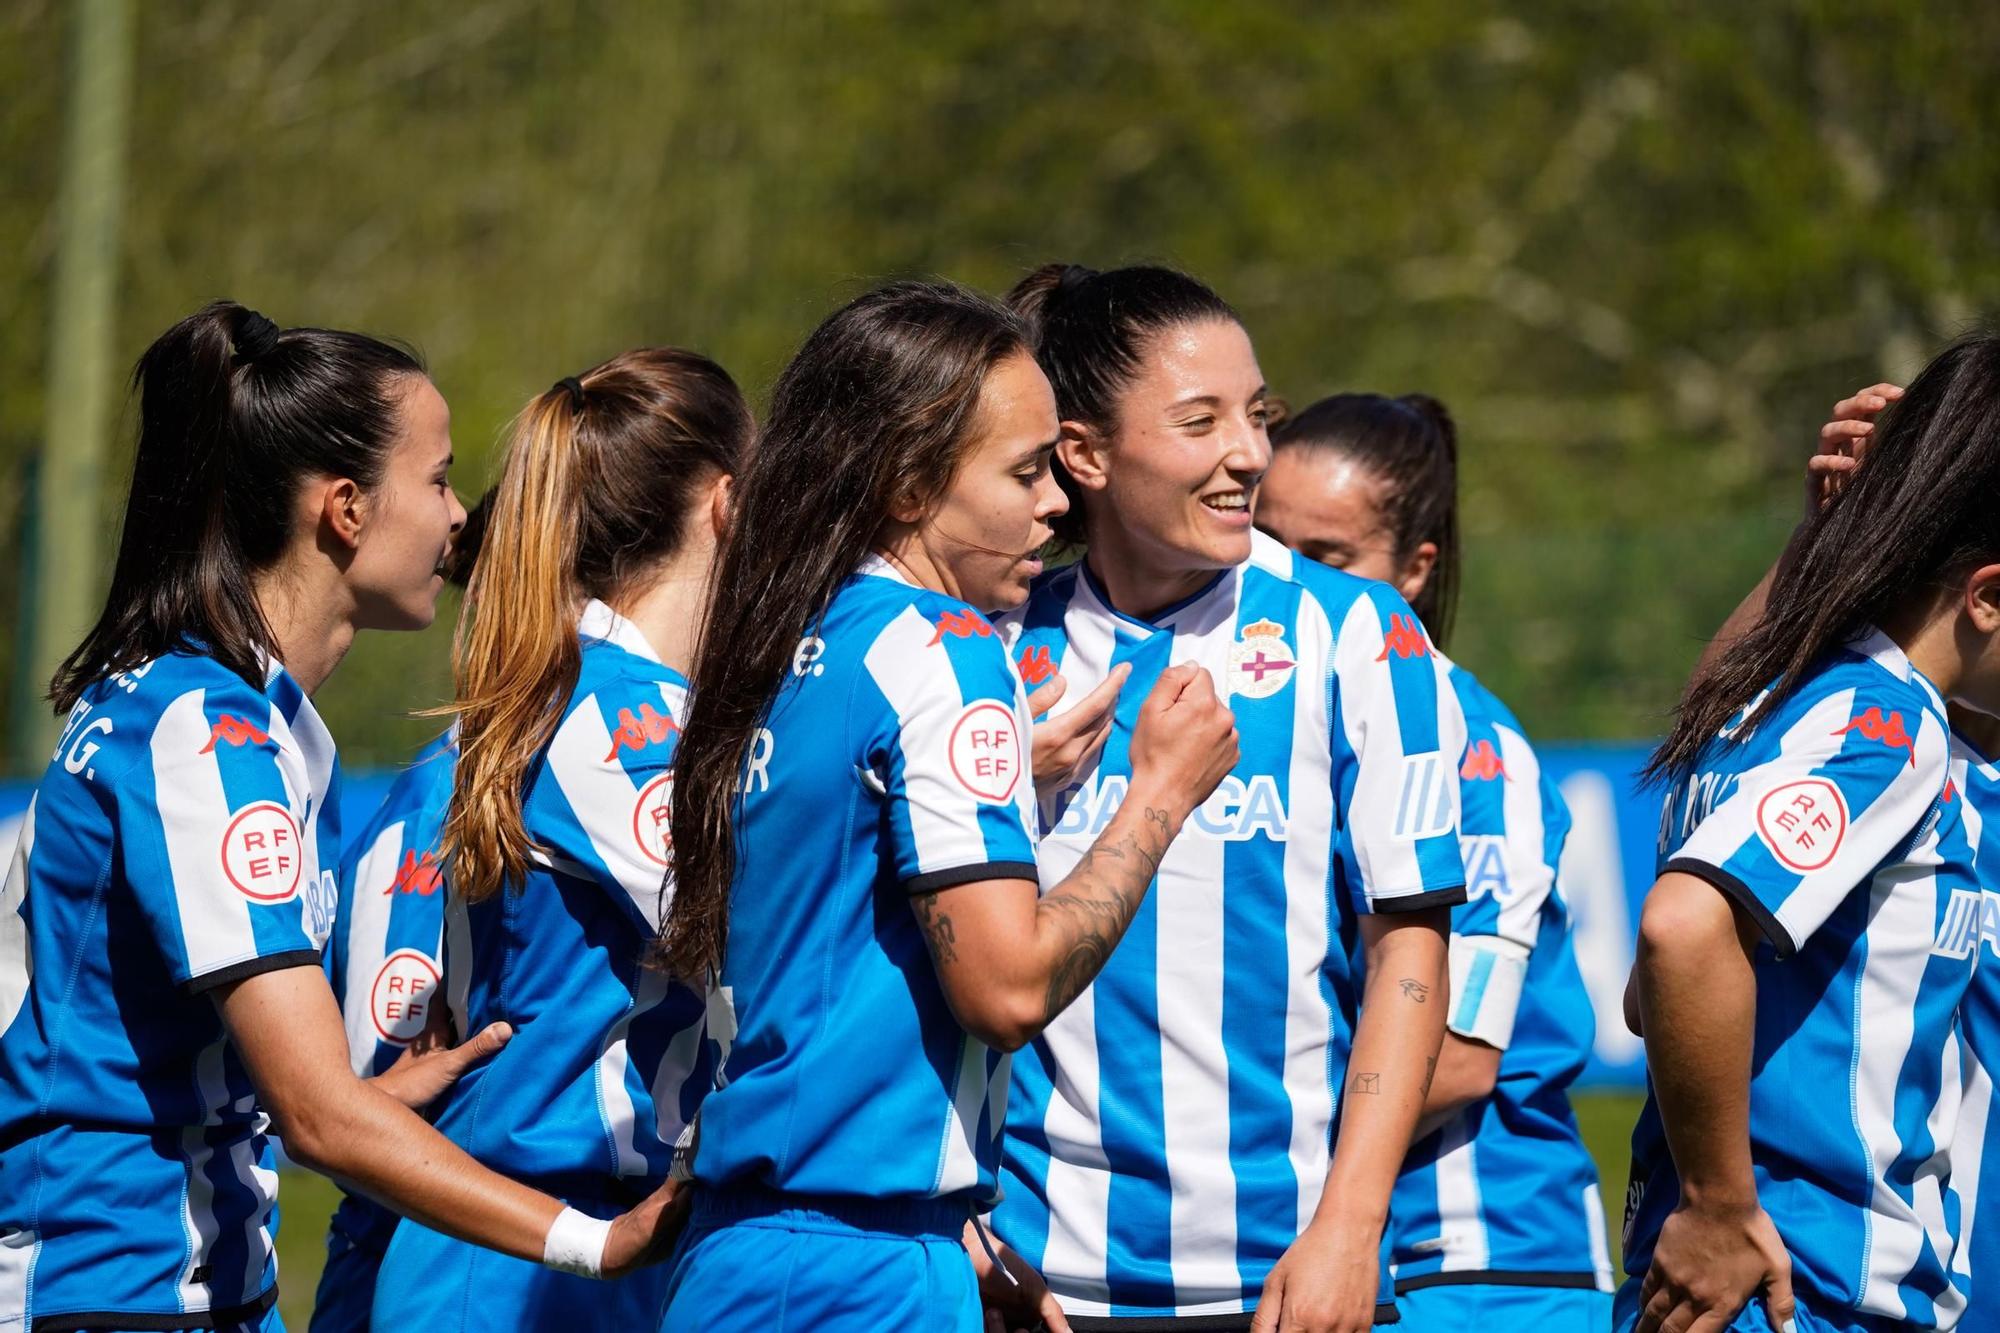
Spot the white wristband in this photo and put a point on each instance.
(576, 1243)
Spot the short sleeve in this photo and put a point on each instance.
(1800, 833)
(212, 837)
(1399, 734)
(612, 759)
(951, 752)
(1509, 864)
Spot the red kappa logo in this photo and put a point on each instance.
(418, 875)
(1950, 791)
(1890, 731)
(1035, 665)
(962, 625)
(1405, 639)
(636, 732)
(1482, 763)
(1802, 822)
(234, 730)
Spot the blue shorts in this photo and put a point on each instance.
(346, 1285)
(756, 1262)
(440, 1285)
(1495, 1308)
(268, 1322)
(1753, 1319)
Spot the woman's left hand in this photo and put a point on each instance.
(1325, 1283)
(1065, 747)
(1021, 1306)
(426, 1071)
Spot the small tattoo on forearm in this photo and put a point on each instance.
(1366, 1084)
(1415, 989)
(937, 929)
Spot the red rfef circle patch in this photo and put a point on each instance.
(400, 999)
(652, 819)
(261, 853)
(986, 751)
(1802, 822)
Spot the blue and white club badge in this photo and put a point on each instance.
(1260, 662)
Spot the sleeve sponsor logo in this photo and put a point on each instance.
(1425, 807)
(1035, 665)
(653, 820)
(1236, 811)
(420, 875)
(400, 999)
(261, 854)
(985, 751)
(1482, 763)
(1802, 822)
(1405, 639)
(967, 624)
(1888, 730)
(1971, 918)
(235, 731)
(1485, 856)
(1260, 662)
(638, 731)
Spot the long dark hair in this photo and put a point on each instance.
(874, 413)
(1410, 445)
(1919, 513)
(595, 490)
(234, 416)
(1091, 332)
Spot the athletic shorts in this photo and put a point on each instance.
(1753, 1319)
(1496, 1308)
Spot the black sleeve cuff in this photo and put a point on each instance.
(1418, 902)
(932, 881)
(1780, 938)
(250, 967)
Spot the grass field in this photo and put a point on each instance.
(308, 1200)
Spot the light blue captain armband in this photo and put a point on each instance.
(1487, 973)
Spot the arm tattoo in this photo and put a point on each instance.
(1368, 1085)
(938, 932)
(1095, 903)
(1414, 989)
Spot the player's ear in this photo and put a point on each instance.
(1082, 451)
(341, 509)
(1982, 599)
(1417, 570)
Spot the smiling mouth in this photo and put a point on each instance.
(1228, 502)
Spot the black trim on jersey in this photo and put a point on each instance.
(1417, 902)
(1385, 1313)
(80, 1321)
(930, 882)
(1780, 938)
(1497, 1277)
(249, 967)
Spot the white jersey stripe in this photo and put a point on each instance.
(17, 957)
(1600, 1244)
(1901, 919)
(367, 932)
(1308, 882)
(614, 1099)
(1968, 1152)
(198, 1218)
(194, 812)
(601, 795)
(1461, 1224)
(18, 1251)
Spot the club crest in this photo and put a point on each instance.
(1261, 662)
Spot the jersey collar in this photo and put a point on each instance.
(1163, 618)
(1880, 649)
(875, 566)
(599, 621)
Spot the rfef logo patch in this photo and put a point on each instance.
(233, 730)
(985, 751)
(1260, 662)
(1405, 639)
(261, 854)
(1802, 823)
(653, 819)
(1888, 730)
(400, 999)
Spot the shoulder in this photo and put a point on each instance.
(1873, 703)
(179, 708)
(626, 709)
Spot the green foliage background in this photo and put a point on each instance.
(1637, 248)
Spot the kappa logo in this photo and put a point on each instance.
(637, 731)
(966, 624)
(1887, 730)
(1261, 662)
(232, 730)
(418, 875)
(1035, 665)
(1405, 639)
(1482, 763)
(1802, 823)
(1950, 792)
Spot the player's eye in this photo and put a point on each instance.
(1198, 425)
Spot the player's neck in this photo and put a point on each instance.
(1134, 583)
(1930, 638)
(669, 606)
(311, 622)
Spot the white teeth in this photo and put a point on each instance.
(1226, 502)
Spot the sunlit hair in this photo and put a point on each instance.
(594, 492)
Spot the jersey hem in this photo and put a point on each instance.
(932, 881)
(1417, 902)
(1239, 1322)
(250, 967)
(1773, 930)
(1498, 1277)
(81, 1321)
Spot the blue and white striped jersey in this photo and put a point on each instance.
(385, 956)
(1506, 1192)
(1828, 824)
(183, 837)
(1169, 1134)
(609, 1058)
(1976, 929)
(894, 761)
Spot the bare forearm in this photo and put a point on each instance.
(1390, 1070)
(1466, 1073)
(1077, 925)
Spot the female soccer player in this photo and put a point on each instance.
(161, 999)
(851, 823)
(1496, 1219)
(1799, 956)
(384, 960)
(577, 627)
(1171, 1145)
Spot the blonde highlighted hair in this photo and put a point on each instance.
(594, 492)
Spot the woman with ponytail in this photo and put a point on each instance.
(1173, 1148)
(1805, 947)
(573, 643)
(1496, 1219)
(161, 999)
(854, 852)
